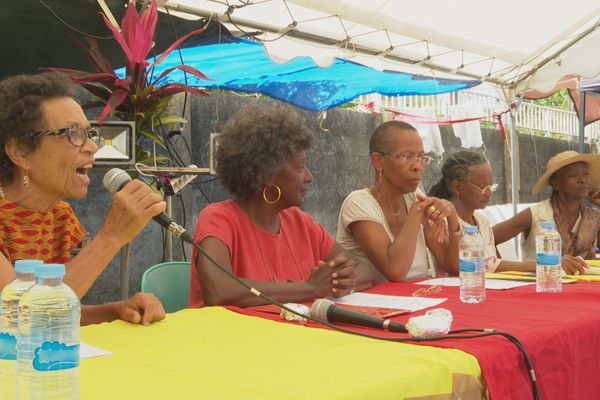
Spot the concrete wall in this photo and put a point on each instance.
(339, 161)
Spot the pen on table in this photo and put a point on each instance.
(394, 313)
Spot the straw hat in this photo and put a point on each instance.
(566, 158)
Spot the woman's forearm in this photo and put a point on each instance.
(235, 294)
(83, 270)
(98, 313)
(401, 252)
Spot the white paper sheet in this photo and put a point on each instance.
(492, 284)
(593, 271)
(87, 351)
(380, 300)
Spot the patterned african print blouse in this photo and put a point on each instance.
(27, 234)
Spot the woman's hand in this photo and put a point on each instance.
(336, 278)
(343, 276)
(594, 196)
(131, 209)
(434, 214)
(574, 265)
(143, 308)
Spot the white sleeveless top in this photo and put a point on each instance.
(360, 205)
(487, 234)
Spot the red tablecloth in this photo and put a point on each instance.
(560, 331)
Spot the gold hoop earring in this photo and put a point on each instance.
(264, 194)
(26, 178)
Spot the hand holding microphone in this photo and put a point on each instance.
(134, 204)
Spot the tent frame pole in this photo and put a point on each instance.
(509, 97)
(581, 145)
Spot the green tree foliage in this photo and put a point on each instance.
(559, 99)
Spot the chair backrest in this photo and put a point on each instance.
(170, 282)
(502, 212)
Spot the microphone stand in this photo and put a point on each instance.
(169, 235)
(170, 180)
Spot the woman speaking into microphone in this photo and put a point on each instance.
(47, 149)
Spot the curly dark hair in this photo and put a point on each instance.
(457, 167)
(255, 143)
(383, 137)
(20, 111)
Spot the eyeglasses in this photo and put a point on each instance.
(409, 158)
(76, 135)
(485, 190)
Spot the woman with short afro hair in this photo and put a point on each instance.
(261, 235)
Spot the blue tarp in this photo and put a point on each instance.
(243, 66)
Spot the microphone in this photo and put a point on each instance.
(327, 310)
(115, 179)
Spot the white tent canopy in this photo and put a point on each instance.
(519, 45)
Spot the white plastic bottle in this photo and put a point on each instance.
(548, 270)
(48, 343)
(472, 266)
(9, 305)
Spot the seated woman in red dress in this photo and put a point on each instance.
(261, 235)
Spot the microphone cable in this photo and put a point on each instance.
(453, 334)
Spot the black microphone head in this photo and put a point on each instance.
(115, 179)
(320, 307)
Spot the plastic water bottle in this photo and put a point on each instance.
(48, 343)
(8, 324)
(472, 266)
(548, 269)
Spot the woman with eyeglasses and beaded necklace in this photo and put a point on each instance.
(261, 235)
(467, 181)
(392, 226)
(46, 155)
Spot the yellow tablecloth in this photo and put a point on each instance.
(214, 353)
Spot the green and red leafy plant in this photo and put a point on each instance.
(138, 95)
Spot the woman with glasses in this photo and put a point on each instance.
(467, 181)
(573, 177)
(45, 159)
(392, 226)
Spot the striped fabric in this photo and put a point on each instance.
(49, 236)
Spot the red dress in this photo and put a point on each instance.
(257, 254)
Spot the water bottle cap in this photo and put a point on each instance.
(50, 271)
(548, 225)
(471, 229)
(26, 266)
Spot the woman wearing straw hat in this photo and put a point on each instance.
(573, 177)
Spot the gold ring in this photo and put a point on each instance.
(432, 209)
(576, 273)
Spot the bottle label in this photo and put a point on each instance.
(8, 346)
(547, 259)
(470, 265)
(54, 356)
